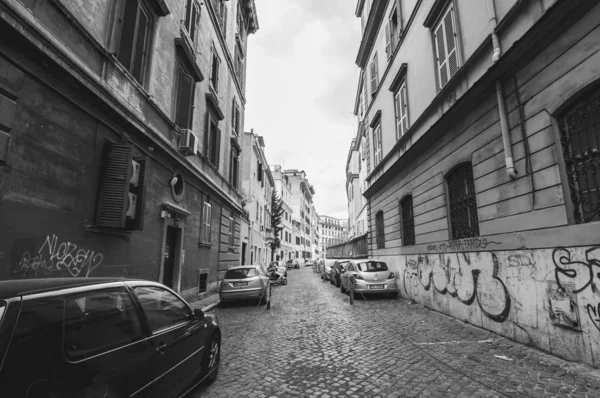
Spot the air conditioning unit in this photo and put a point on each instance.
(188, 143)
(131, 205)
(135, 173)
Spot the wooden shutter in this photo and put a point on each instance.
(441, 55)
(138, 221)
(446, 47)
(404, 108)
(451, 49)
(128, 33)
(388, 41)
(224, 20)
(185, 100)
(141, 46)
(374, 75)
(188, 16)
(112, 201)
(217, 148)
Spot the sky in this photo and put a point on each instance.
(301, 85)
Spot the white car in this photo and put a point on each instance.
(369, 277)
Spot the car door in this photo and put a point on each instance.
(345, 277)
(178, 339)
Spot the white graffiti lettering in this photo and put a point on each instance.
(56, 257)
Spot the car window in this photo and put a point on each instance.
(241, 273)
(98, 321)
(372, 266)
(162, 307)
(2, 310)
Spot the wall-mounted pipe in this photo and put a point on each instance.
(510, 165)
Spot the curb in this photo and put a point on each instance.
(211, 306)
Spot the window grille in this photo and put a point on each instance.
(408, 222)
(463, 206)
(580, 139)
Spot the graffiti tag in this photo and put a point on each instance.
(567, 269)
(460, 245)
(56, 257)
(594, 314)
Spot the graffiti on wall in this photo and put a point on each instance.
(55, 256)
(461, 245)
(593, 312)
(581, 273)
(453, 275)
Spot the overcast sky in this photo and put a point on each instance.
(301, 85)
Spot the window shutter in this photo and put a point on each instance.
(128, 33)
(404, 108)
(373, 77)
(194, 17)
(224, 20)
(138, 221)
(399, 16)
(188, 16)
(140, 45)
(388, 41)
(217, 153)
(451, 42)
(112, 202)
(184, 100)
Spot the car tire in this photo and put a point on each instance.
(394, 295)
(284, 281)
(342, 289)
(211, 359)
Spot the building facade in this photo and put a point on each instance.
(302, 208)
(119, 129)
(257, 186)
(334, 231)
(481, 154)
(283, 187)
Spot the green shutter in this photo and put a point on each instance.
(112, 201)
(138, 221)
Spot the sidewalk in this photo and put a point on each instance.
(207, 302)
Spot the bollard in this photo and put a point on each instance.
(351, 292)
(269, 296)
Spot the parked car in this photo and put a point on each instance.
(335, 274)
(325, 269)
(369, 277)
(244, 282)
(102, 337)
(308, 263)
(315, 266)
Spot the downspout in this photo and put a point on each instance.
(510, 166)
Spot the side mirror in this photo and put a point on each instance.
(199, 314)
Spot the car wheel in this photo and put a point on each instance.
(394, 295)
(223, 304)
(284, 281)
(211, 359)
(342, 290)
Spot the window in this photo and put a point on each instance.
(393, 30)
(221, 11)
(185, 98)
(212, 140)
(235, 118)
(297, 240)
(163, 308)
(135, 38)
(379, 230)
(239, 66)
(446, 46)
(99, 321)
(377, 144)
(231, 232)
(407, 220)
(401, 110)
(214, 71)
(580, 139)
(121, 192)
(206, 222)
(365, 93)
(234, 168)
(463, 207)
(192, 19)
(374, 75)
(240, 26)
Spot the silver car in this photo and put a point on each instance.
(244, 282)
(325, 269)
(369, 277)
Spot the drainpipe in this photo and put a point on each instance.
(510, 166)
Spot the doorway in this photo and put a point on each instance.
(171, 244)
(243, 253)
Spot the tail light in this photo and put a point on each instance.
(358, 276)
(392, 275)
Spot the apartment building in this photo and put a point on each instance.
(333, 231)
(119, 130)
(302, 208)
(257, 186)
(479, 126)
(283, 188)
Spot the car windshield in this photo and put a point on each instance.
(241, 273)
(372, 266)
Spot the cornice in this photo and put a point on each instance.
(370, 33)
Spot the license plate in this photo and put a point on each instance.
(240, 284)
(375, 286)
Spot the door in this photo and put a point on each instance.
(170, 252)
(243, 253)
(178, 339)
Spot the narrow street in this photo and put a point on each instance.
(313, 343)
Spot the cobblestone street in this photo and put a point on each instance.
(313, 343)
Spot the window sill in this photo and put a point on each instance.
(204, 244)
(90, 229)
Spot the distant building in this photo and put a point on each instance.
(283, 187)
(120, 124)
(479, 122)
(333, 231)
(302, 206)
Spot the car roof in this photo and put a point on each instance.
(244, 266)
(22, 287)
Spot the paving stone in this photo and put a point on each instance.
(313, 343)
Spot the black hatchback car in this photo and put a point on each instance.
(99, 337)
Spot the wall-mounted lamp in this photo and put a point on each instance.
(177, 221)
(173, 181)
